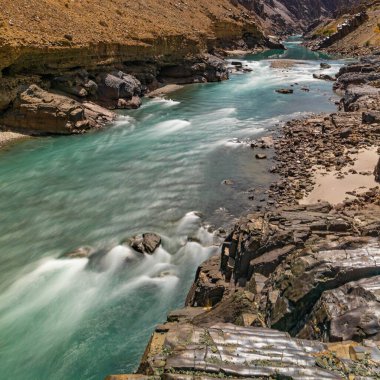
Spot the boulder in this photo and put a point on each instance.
(285, 91)
(146, 243)
(325, 65)
(209, 286)
(133, 103)
(261, 156)
(45, 112)
(76, 83)
(10, 87)
(118, 88)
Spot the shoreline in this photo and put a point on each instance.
(240, 289)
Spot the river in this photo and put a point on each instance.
(159, 168)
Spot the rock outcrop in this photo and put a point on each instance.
(44, 112)
(146, 243)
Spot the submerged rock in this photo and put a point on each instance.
(285, 91)
(325, 65)
(261, 156)
(146, 243)
(118, 89)
(79, 253)
(45, 112)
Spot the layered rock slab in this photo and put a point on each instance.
(41, 111)
(226, 350)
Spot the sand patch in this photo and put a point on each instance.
(331, 188)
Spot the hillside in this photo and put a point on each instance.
(117, 29)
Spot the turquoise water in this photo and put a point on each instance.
(153, 170)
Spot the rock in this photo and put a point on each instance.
(324, 77)
(285, 91)
(377, 171)
(325, 65)
(261, 156)
(209, 286)
(237, 63)
(371, 117)
(299, 282)
(133, 103)
(350, 312)
(147, 243)
(117, 86)
(44, 112)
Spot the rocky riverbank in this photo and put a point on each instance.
(294, 291)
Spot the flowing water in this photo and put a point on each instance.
(150, 171)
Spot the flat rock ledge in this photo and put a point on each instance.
(185, 352)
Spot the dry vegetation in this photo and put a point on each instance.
(55, 22)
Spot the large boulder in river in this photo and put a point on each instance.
(78, 253)
(147, 243)
(45, 112)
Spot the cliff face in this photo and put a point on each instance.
(52, 34)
